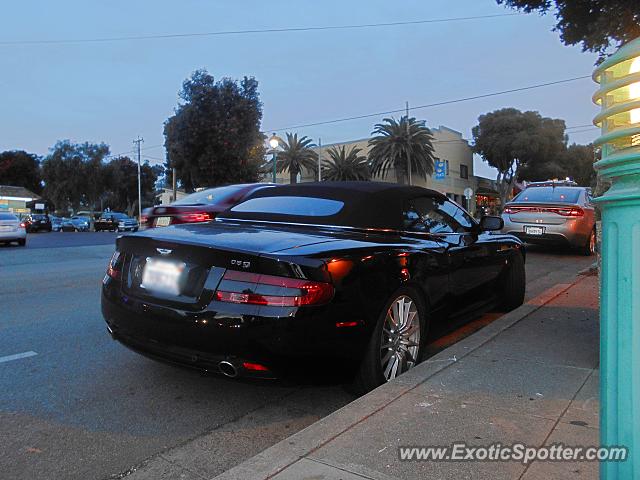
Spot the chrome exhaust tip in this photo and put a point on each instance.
(228, 369)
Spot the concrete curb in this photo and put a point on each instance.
(278, 457)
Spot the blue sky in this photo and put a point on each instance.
(112, 92)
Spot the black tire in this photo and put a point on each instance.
(370, 373)
(589, 248)
(22, 242)
(512, 283)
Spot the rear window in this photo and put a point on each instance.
(286, 205)
(548, 194)
(209, 196)
(7, 216)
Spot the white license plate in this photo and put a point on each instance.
(534, 230)
(163, 221)
(162, 276)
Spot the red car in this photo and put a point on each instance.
(200, 206)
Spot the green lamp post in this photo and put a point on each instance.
(619, 119)
(274, 142)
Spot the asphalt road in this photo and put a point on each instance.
(78, 405)
(65, 239)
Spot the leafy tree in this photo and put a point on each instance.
(122, 181)
(393, 140)
(509, 139)
(578, 163)
(73, 174)
(597, 24)
(297, 153)
(20, 169)
(214, 136)
(343, 165)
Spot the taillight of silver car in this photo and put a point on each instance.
(563, 211)
(271, 290)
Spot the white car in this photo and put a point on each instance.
(12, 230)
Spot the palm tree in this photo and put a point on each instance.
(343, 165)
(393, 139)
(297, 154)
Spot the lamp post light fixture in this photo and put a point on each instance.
(619, 120)
(274, 143)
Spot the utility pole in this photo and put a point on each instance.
(408, 147)
(173, 178)
(319, 160)
(137, 142)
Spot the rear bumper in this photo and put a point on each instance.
(19, 234)
(571, 233)
(202, 339)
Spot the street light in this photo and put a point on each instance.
(619, 119)
(274, 142)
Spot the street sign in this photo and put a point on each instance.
(468, 193)
(39, 206)
(440, 170)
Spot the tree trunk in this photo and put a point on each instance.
(293, 177)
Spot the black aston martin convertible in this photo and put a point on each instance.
(354, 271)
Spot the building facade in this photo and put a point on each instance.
(455, 155)
(17, 200)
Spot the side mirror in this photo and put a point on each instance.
(491, 223)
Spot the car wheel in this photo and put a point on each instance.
(397, 341)
(22, 242)
(590, 247)
(512, 283)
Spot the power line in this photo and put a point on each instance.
(585, 130)
(436, 104)
(150, 147)
(589, 125)
(251, 31)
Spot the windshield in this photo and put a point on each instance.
(548, 194)
(285, 205)
(210, 196)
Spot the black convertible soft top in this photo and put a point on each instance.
(366, 204)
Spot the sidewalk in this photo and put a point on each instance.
(531, 376)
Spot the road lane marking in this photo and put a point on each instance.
(17, 356)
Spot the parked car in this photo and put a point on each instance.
(75, 224)
(56, 223)
(12, 229)
(37, 222)
(115, 221)
(355, 271)
(553, 215)
(202, 206)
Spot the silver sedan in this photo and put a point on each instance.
(553, 215)
(11, 230)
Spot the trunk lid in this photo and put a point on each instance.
(205, 251)
(538, 213)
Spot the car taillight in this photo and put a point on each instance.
(195, 217)
(113, 269)
(271, 290)
(23, 225)
(570, 212)
(143, 220)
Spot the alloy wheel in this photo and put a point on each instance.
(400, 343)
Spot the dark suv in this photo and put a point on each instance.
(37, 222)
(115, 221)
